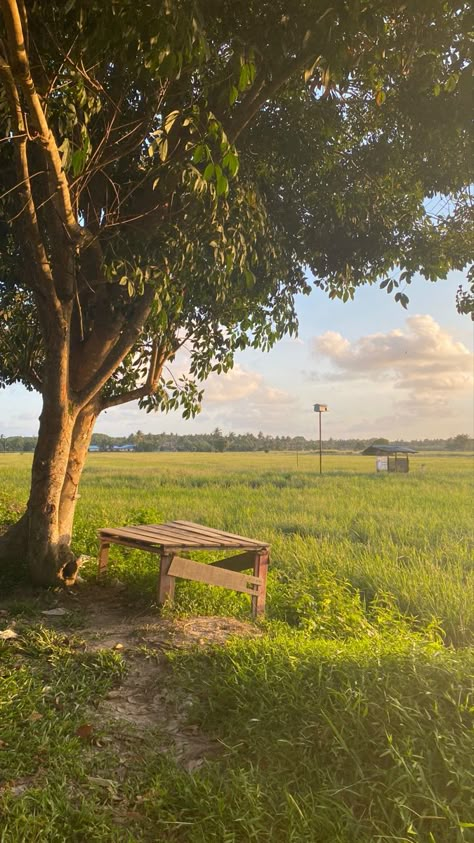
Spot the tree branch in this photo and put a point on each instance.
(20, 68)
(64, 227)
(125, 398)
(29, 218)
(120, 350)
(157, 361)
(253, 102)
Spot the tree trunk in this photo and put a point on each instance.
(81, 437)
(49, 556)
(42, 536)
(36, 538)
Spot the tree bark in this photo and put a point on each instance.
(42, 536)
(49, 557)
(80, 441)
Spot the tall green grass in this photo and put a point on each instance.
(407, 535)
(348, 720)
(360, 741)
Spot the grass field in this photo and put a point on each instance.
(348, 720)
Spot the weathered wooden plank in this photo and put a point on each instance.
(180, 534)
(169, 528)
(103, 558)
(147, 531)
(165, 537)
(230, 536)
(147, 535)
(166, 583)
(190, 570)
(136, 545)
(236, 563)
(191, 535)
(129, 531)
(225, 535)
(211, 532)
(261, 570)
(194, 538)
(203, 534)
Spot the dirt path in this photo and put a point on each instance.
(145, 702)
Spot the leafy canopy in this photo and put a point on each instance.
(213, 153)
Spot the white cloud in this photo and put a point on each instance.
(233, 386)
(238, 400)
(424, 361)
(240, 384)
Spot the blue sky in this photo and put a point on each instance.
(383, 371)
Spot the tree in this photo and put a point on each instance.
(461, 442)
(218, 440)
(169, 171)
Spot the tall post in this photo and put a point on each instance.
(320, 447)
(320, 408)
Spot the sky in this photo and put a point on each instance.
(382, 371)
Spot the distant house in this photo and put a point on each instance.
(94, 448)
(126, 447)
(390, 457)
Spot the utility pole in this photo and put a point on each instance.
(320, 408)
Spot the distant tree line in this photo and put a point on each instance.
(217, 441)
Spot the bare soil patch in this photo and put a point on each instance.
(144, 703)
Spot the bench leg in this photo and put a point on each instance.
(103, 558)
(260, 569)
(166, 584)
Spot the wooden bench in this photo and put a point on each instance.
(168, 540)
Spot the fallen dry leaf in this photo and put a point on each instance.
(108, 783)
(19, 789)
(55, 612)
(85, 731)
(6, 634)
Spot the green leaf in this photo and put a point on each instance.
(249, 278)
(231, 162)
(244, 77)
(209, 171)
(451, 82)
(222, 184)
(65, 150)
(199, 153)
(77, 162)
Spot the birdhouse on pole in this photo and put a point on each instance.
(320, 408)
